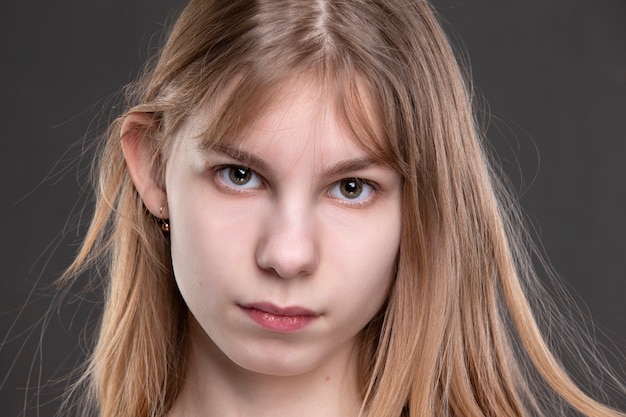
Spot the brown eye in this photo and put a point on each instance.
(239, 175)
(353, 191)
(239, 178)
(351, 188)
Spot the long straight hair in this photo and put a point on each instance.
(457, 335)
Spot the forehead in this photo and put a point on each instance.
(243, 110)
(298, 120)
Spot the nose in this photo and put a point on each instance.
(288, 245)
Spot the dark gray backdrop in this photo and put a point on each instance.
(553, 73)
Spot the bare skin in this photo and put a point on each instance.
(283, 246)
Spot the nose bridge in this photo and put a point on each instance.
(289, 244)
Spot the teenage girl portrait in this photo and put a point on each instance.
(297, 213)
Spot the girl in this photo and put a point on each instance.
(298, 219)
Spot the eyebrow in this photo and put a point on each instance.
(349, 166)
(340, 168)
(247, 159)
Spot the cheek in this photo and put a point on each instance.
(366, 263)
(209, 243)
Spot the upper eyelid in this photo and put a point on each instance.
(375, 194)
(375, 186)
(217, 169)
(346, 169)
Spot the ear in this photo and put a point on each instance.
(137, 130)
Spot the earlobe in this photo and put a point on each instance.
(137, 130)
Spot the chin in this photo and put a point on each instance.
(277, 363)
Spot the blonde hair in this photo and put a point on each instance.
(476, 351)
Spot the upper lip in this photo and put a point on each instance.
(291, 311)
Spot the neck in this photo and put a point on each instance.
(216, 386)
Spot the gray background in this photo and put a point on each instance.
(552, 72)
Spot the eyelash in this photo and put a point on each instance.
(371, 189)
(222, 173)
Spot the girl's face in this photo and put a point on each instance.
(284, 241)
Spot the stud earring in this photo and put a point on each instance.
(165, 225)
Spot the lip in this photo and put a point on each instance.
(279, 319)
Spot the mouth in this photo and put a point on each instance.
(279, 319)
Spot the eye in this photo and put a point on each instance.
(352, 190)
(239, 177)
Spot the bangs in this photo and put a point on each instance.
(247, 97)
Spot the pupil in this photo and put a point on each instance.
(351, 188)
(239, 175)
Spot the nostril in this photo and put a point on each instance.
(288, 252)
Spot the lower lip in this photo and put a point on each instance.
(277, 322)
